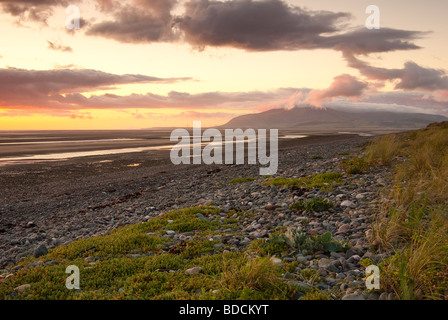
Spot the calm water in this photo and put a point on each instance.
(46, 140)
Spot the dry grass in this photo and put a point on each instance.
(414, 222)
(257, 274)
(383, 150)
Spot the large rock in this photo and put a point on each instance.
(40, 251)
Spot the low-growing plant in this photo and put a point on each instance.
(242, 180)
(383, 150)
(365, 262)
(322, 181)
(355, 166)
(311, 275)
(276, 244)
(317, 295)
(297, 206)
(258, 274)
(413, 224)
(300, 240)
(318, 205)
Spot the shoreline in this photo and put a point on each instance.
(80, 197)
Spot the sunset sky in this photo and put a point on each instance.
(157, 63)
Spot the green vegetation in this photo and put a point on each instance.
(318, 205)
(324, 181)
(414, 223)
(317, 295)
(141, 262)
(383, 150)
(311, 275)
(242, 180)
(312, 205)
(276, 244)
(355, 166)
(324, 242)
(297, 239)
(317, 157)
(297, 206)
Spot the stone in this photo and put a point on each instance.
(30, 224)
(373, 296)
(40, 251)
(391, 296)
(348, 204)
(324, 263)
(289, 276)
(322, 272)
(23, 288)
(353, 296)
(344, 228)
(383, 296)
(298, 295)
(195, 270)
(299, 284)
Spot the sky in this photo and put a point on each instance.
(136, 64)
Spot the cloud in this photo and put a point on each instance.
(420, 102)
(31, 10)
(54, 90)
(255, 25)
(179, 100)
(265, 25)
(40, 87)
(411, 76)
(184, 115)
(269, 25)
(144, 21)
(82, 116)
(344, 85)
(364, 41)
(58, 47)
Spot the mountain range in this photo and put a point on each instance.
(311, 118)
